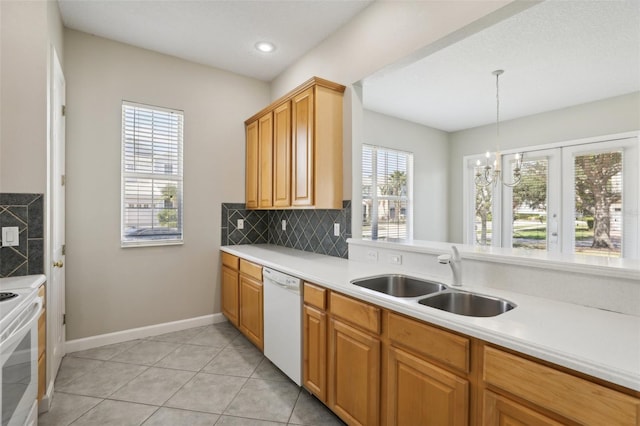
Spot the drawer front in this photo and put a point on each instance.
(230, 260)
(356, 312)
(572, 397)
(315, 296)
(252, 269)
(450, 349)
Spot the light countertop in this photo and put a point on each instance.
(599, 343)
(25, 281)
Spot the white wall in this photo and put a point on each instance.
(609, 116)
(430, 159)
(110, 288)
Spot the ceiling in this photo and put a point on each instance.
(555, 54)
(219, 33)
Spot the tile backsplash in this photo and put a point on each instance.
(26, 211)
(306, 229)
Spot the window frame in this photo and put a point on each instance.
(128, 242)
(374, 196)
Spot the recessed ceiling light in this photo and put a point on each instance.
(265, 46)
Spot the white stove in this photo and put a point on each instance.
(25, 288)
(19, 354)
(11, 307)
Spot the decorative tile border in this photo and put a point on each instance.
(26, 211)
(309, 230)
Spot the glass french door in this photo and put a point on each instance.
(531, 210)
(601, 208)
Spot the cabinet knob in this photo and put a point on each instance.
(58, 264)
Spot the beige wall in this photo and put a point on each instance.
(430, 148)
(28, 29)
(110, 288)
(23, 87)
(609, 116)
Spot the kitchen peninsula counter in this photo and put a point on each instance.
(599, 343)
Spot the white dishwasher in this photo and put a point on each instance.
(282, 322)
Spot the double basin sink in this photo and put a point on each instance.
(437, 295)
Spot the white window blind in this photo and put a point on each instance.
(152, 140)
(386, 194)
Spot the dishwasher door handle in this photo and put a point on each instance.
(283, 286)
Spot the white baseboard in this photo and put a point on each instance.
(140, 333)
(45, 403)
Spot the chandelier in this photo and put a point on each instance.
(491, 175)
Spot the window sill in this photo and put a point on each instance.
(159, 243)
(595, 265)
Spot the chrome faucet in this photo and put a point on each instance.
(456, 265)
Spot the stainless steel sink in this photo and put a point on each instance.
(469, 304)
(400, 285)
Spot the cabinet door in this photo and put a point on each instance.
(230, 294)
(251, 172)
(251, 316)
(303, 146)
(354, 374)
(420, 393)
(282, 155)
(265, 161)
(500, 411)
(314, 351)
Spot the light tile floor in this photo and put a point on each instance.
(201, 376)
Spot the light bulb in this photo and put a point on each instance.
(265, 46)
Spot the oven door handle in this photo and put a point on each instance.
(25, 324)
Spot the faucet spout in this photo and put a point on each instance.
(456, 265)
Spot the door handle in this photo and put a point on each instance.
(58, 264)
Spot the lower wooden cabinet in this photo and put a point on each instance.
(420, 393)
(314, 351)
(569, 398)
(500, 411)
(354, 374)
(230, 295)
(242, 296)
(251, 310)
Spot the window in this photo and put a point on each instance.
(151, 175)
(577, 197)
(386, 193)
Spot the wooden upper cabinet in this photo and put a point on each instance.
(265, 161)
(303, 149)
(305, 145)
(251, 182)
(282, 155)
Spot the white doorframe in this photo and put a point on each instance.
(55, 208)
